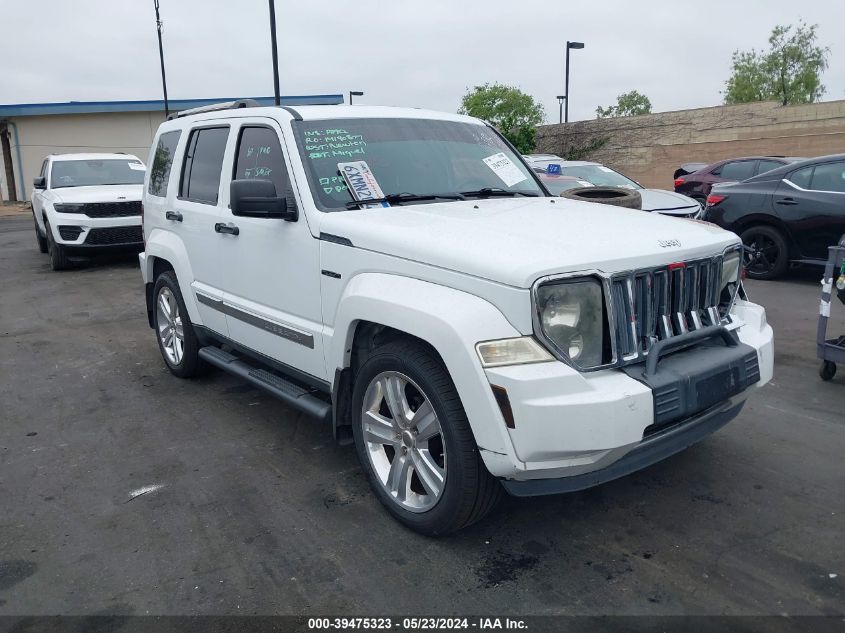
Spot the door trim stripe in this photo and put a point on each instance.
(284, 331)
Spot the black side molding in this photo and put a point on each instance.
(290, 393)
(336, 239)
(296, 115)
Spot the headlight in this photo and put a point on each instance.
(729, 283)
(512, 351)
(731, 265)
(69, 208)
(571, 317)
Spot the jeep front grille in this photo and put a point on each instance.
(112, 209)
(650, 305)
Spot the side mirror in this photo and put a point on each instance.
(257, 199)
(40, 182)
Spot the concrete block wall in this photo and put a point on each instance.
(650, 147)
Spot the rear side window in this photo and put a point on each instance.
(738, 170)
(767, 165)
(801, 177)
(162, 162)
(203, 163)
(260, 157)
(829, 177)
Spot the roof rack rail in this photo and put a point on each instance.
(226, 105)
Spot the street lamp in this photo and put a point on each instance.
(560, 100)
(354, 93)
(569, 46)
(161, 58)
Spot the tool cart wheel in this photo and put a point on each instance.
(828, 370)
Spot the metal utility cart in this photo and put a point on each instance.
(831, 351)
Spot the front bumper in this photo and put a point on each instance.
(84, 235)
(650, 451)
(581, 427)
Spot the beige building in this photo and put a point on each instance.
(649, 148)
(29, 132)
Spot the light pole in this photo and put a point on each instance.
(161, 58)
(354, 93)
(275, 51)
(569, 46)
(560, 100)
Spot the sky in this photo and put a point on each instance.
(399, 52)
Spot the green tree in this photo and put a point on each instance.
(789, 72)
(627, 104)
(515, 114)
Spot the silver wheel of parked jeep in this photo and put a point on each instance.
(169, 322)
(404, 441)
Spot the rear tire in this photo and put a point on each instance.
(175, 334)
(43, 246)
(58, 256)
(427, 471)
(767, 254)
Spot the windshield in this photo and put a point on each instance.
(598, 175)
(85, 173)
(409, 156)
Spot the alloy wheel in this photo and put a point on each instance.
(761, 253)
(404, 441)
(169, 322)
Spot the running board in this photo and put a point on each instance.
(286, 391)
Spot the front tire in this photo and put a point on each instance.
(58, 256)
(414, 441)
(175, 334)
(43, 246)
(767, 254)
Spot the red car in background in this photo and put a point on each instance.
(697, 184)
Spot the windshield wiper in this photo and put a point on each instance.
(398, 198)
(488, 192)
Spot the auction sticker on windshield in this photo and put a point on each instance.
(505, 169)
(362, 182)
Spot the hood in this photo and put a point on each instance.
(514, 241)
(667, 202)
(99, 193)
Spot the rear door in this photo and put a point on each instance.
(200, 212)
(811, 201)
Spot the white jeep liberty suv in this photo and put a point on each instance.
(404, 276)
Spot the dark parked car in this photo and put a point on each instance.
(697, 184)
(790, 214)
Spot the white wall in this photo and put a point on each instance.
(130, 132)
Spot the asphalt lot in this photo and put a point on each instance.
(260, 512)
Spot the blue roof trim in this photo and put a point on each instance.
(157, 105)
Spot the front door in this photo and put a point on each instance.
(272, 292)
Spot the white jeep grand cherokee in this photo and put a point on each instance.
(403, 275)
(85, 204)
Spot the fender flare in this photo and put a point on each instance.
(167, 246)
(451, 321)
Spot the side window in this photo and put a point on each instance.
(767, 165)
(162, 162)
(801, 177)
(737, 170)
(203, 164)
(44, 169)
(829, 177)
(260, 156)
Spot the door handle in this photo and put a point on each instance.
(787, 201)
(229, 228)
(173, 215)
